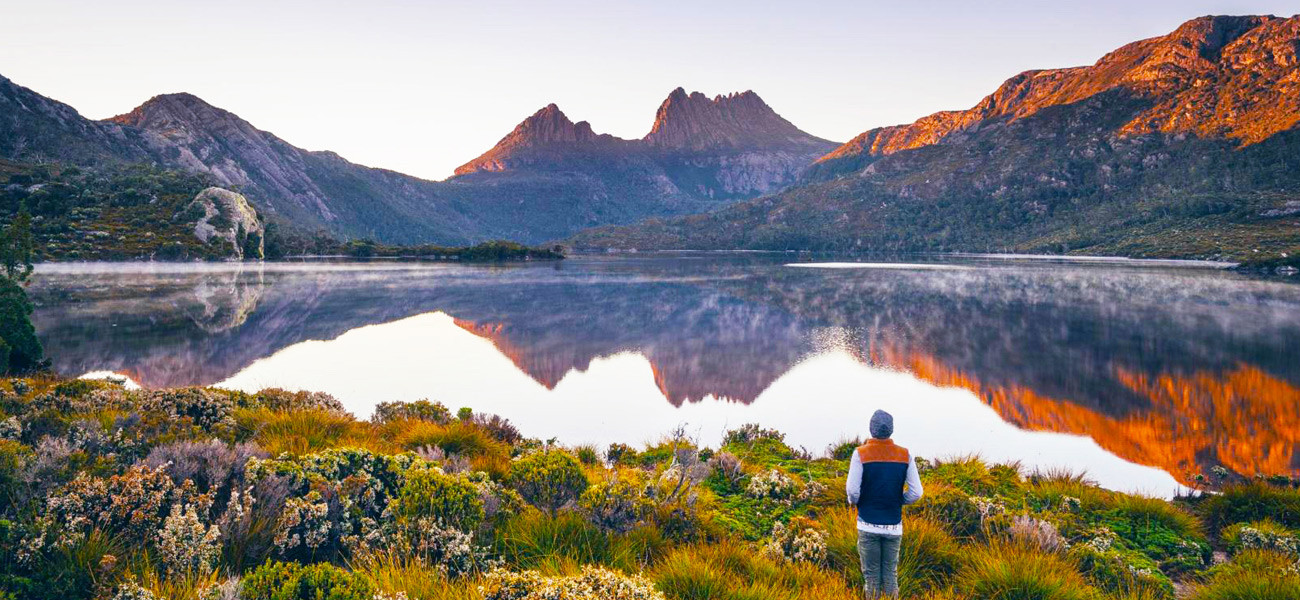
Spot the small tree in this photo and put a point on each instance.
(17, 248)
(20, 350)
(549, 480)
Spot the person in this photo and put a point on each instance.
(882, 479)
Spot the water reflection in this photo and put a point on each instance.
(1173, 368)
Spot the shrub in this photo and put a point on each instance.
(959, 514)
(751, 432)
(844, 450)
(450, 551)
(1004, 572)
(451, 500)
(291, 581)
(204, 408)
(621, 454)
(1252, 575)
(185, 545)
(133, 504)
(798, 541)
(1263, 535)
(1119, 572)
(771, 484)
(587, 455)
(591, 583)
(548, 479)
(280, 400)
(423, 410)
(212, 465)
(1036, 533)
(1251, 502)
(617, 504)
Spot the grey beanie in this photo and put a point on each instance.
(882, 425)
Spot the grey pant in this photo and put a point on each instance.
(879, 555)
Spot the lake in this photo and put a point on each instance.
(1142, 374)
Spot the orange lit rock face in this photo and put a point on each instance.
(1245, 420)
(1233, 77)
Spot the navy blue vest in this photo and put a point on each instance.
(884, 473)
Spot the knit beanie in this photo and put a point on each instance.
(882, 425)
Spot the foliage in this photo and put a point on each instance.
(292, 581)
(617, 504)
(1252, 575)
(450, 500)
(592, 583)
(800, 540)
(549, 479)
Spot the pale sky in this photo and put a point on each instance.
(422, 87)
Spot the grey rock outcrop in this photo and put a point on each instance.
(229, 217)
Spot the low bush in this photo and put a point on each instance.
(448, 499)
(618, 503)
(1252, 575)
(1261, 535)
(591, 583)
(1249, 503)
(549, 479)
(292, 581)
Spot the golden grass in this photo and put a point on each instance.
(730, 571)
(304, 431)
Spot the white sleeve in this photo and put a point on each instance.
(853, 485)
(914, 490)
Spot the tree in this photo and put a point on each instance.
(16, 247)
(20, 350)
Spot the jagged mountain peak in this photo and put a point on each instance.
(741, 120)
(549, 127)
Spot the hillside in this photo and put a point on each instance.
(1184, 145)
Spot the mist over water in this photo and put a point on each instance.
(1140, 374)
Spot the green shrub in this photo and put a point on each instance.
(292, 581)
(1121, 572)
(1252, 575)
(1251, 502)
(430, 493)
(549, 479)
(958, 513)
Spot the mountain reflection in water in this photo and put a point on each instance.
(1178, 369)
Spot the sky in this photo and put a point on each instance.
(422, 87)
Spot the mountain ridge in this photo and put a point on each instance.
(1181, 145)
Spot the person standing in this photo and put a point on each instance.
(882, 479)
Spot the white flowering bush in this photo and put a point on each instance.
(304, 524)
(592, 583)
(1264, 535)
(133, 591)
(185, 545)
(204, 408)
(133, 504)
(800, 540)
(11, 429)
(771, 484)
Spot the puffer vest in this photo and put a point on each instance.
(884, 473)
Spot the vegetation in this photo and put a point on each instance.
(206, 493)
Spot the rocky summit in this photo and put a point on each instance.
(1183, 145)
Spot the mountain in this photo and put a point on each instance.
(1184, 145)
(547, 179)
(699, 151)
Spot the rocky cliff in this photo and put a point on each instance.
(229, 217)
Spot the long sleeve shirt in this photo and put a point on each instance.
(912, 492)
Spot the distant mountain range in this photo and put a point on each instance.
(1184, 145)
(547, 179)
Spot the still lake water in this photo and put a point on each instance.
(1142, 374)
